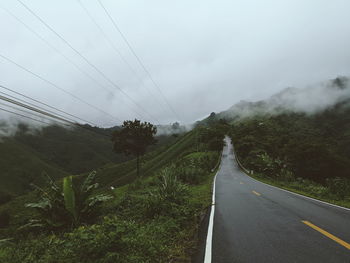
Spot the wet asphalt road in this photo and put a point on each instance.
(255, 222)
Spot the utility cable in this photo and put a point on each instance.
(137, 57)
(58, 87)
(86, 60)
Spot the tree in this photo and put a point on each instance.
(133, 138)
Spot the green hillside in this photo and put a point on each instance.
(20, 166)
(74, 150)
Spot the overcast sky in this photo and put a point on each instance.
(204, 55)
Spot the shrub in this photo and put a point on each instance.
(189, 174)
(169, 193)
(191, 168)
(339, 186)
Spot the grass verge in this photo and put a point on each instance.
(304, 187)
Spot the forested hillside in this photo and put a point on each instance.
(311, 146)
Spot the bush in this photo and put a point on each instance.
(167, 195)
(193, 167)
(339, 186)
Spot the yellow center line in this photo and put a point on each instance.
(256, 193)
(334, 238)
(240, 183)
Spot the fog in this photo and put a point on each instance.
(309, 100)
(204, 56)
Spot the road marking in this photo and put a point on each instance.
(334, 238)
(208, 245)
(209, 241)
(284, 190)
(256, 193)
(240, 183)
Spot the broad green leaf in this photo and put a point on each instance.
(69, 196)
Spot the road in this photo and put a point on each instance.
(254, 222)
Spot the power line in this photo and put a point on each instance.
(47, 115)
(42, 103)
(35, 110)
(55, 49)
(137, 57)
(31, 113)
(111, 43)
(57, 87)
(24, 116)
(86, 60)
(33, 105)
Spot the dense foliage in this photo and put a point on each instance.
(290, 146)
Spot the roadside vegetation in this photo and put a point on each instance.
(307, 154)
(124, 218)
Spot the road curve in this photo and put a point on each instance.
(254, 222)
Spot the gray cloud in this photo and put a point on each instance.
(205, 55)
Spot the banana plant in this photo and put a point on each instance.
(69, 206)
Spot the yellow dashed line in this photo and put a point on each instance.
(334, 238)
(256, 193)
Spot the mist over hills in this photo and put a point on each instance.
(309, 100)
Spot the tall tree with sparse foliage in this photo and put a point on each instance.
(133, 138)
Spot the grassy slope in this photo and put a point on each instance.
(123, 173)
(20, 166)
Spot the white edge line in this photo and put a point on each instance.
(209, 241)
(303, 196)
(208, 245)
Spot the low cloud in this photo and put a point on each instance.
(175, 128)
(309, 100)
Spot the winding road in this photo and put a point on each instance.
(255, 222)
